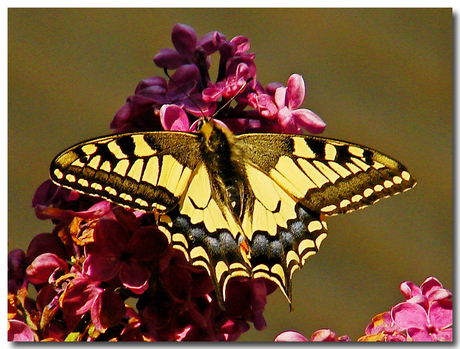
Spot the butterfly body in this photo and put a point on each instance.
(248, 205)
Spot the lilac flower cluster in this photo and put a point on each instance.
(425, 316)
(176, 104)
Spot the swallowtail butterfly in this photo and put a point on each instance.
(250, 205)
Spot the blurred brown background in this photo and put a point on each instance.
(378, 77)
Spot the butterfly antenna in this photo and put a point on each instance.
(181, 90)
(234, 96)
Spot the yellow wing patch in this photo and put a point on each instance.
(273, 207)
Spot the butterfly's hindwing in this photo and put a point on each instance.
(277, 257)
(218, 251)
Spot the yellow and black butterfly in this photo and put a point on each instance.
(248, 205)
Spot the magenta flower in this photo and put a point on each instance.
(190, 93)
(230, 87)
(187, 47)
(427, 312)
(282, 103)
(288, 99)
(426, 315)
(43, 266)
(115, 251)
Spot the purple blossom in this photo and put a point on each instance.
(190, 93)
(231, 86)
(426, 315)
(427, 312)
(116, 251)
(284, 105)
(187, 49)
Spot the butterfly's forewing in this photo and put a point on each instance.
(327, 176)
(144, 171)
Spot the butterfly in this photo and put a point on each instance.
(251, 205)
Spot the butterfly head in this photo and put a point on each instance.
(205, 126)
(214, 135)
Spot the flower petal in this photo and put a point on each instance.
(148, 243)
(290, 336)
(184, 39)
(409, 290)
(174, 118)
(264, 105)
(109, 237)
(419, 335)
(280, 97)
(440, 294)
(18, 331)
(101, 267)
(107, 310)
(444, 335)
(287, 121)
(440, 313)
(434, 290)
(326, 335)
(295, 91)
(242, 44)
(168, 58)
(43, 266)
(308, 120)
(135, 276)
(408, 315)
(45, 243)
(79, 296)
(381, 323)
(210, 42)
(158, 82)
(213, 92)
